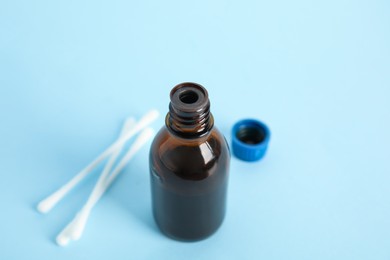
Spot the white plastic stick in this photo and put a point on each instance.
(83, 215)
(107, 168)
(64, 237)
(75, 228)
(48, 203)
(144, 137)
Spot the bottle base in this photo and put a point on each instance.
(188, 238)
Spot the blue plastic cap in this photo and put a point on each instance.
(250, 140)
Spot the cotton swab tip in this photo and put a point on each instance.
(46, 205)
(153, 114)
(80, 222)
(41, 207)
(147, 134)
(62, 240)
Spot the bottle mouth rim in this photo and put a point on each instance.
(189, 96)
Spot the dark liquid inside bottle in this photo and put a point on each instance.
(189, 163)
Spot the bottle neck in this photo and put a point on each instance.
(189, 111)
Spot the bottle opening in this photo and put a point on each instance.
(189, 97)
(250, 135)
(189, 111)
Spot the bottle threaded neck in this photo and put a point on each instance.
(189, 111)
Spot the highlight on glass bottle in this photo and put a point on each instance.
(189, 167)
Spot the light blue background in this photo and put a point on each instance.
(317, 72)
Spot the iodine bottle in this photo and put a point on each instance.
(189, 167)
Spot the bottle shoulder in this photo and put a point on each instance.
(165, 141)
(191, 159)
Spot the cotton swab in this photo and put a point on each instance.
(129, 123)
(76, 233)
(144, 137)
(76, 227)
(110, 163)
(83, 216)
(48, 203)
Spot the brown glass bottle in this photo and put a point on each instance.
(189, 167)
